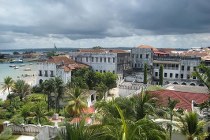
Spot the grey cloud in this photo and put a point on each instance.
(77, 19)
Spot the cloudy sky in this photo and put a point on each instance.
(107, 23)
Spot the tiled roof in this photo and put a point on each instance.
(185, 98)
(66, 63)
(102, 50)
(61, 59)
(147, 47)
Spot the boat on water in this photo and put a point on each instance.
(16, 67)
(27, 69)
(21, 65)
(17, 61)
(30, 63)
(12, 66)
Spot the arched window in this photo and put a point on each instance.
(192, 84)
(175, 83)
(40, 81)
(184, 83)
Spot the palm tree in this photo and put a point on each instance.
(39, 112)
(123, 129)
(78, 131)
(77, 102)
(203, 74)
(48, 89)
(191, 126)
(21, 89)
(144, 104)
(171, 106)
(59, 92)
(8, 83)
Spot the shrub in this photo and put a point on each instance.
(36, 89)
(17, 119)
(6, 134)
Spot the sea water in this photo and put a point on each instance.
(20, 73)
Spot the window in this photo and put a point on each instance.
(105, 59)
(100, 59)
(100, 71)
(92, 59)
(182, 76)
(156, 74)
(182, 67)
(86, 59)
(137, 56)
(109, 59)
(113, 60)
(51, 74)
(194, 68)
(147, 55)
(188, 76)
(104, 71)
(140, 55)
(171, 75)
(132, 55)
(45, 73)
(194, 77)
(177, 75)
(96, 70)
(113, 72)
(96, 59)
(188, 68)
(40, 73)
(165, 74)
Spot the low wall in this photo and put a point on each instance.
(41, 132)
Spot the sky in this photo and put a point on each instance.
(106, 23)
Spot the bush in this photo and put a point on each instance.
(36, 89)
(6, 134)
(17, 119)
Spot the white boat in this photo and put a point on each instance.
(27, 69)
(16, 67)
(17, 61)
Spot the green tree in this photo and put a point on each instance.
(161, 75)
(144, 104)
(59, 92)
(191, 126)
(78, 131)
(77, 102)
(39, 112)
(8, 83)
(48, 87)
(171, 105)
(124, 129)
(145, 73)
(21, 89)
(101, 90)
(203, 74)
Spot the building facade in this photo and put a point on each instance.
(178, 68)
(57, 66)
(102, 60)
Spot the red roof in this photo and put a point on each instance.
(147, 47)
(61, 59)
(185, 98)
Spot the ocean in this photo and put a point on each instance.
(20, 73)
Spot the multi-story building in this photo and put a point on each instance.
(103, 60)
(57, 66)
(141, 55)
(178, 66)
(177, 69)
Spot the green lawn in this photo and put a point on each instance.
(14, 137)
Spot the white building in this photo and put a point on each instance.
(57, 66)
(103, 60)
(178, 67)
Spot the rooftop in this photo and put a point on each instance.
(102, 51)
(185, 98)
